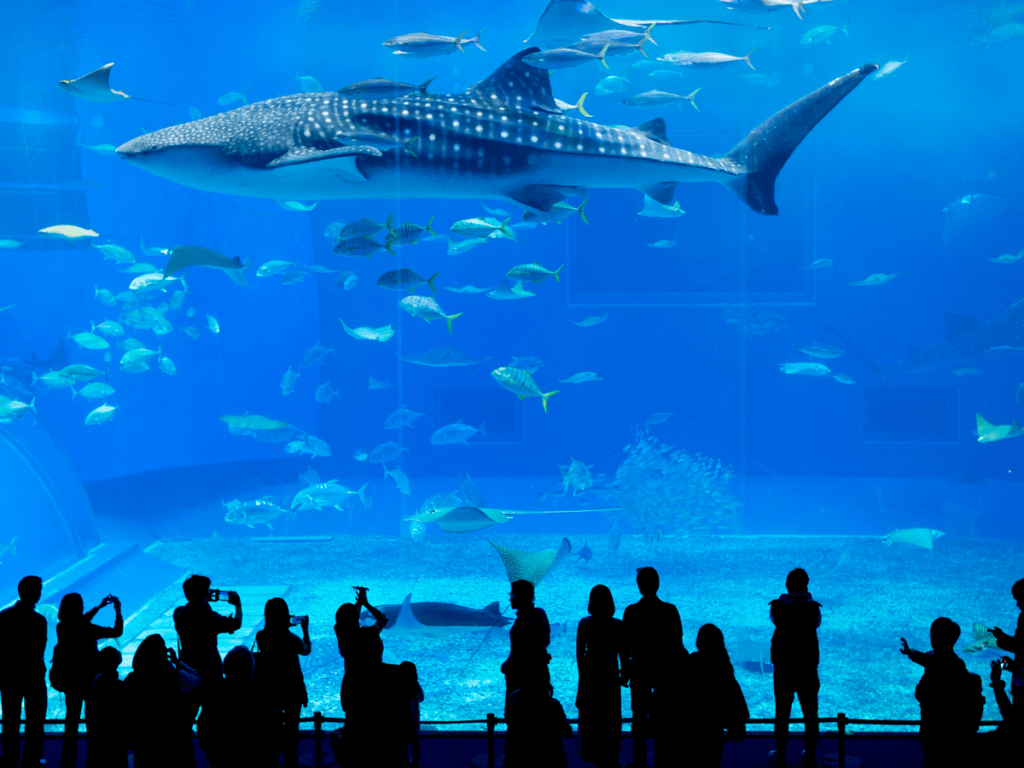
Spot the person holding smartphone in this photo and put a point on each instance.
(198, 625)
(278, 674)
(75, 659)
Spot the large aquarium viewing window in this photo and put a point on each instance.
(300, 300)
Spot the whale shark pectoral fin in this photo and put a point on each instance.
(406, 622)
(663, 192)
(345, 158)
(540, 197)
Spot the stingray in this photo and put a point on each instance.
(531, 566)
(443, 357)
(440, 619)
(919, 537)
(95, 87)
(755, 653)
(185, 256)
(565, 22)
(461, 519)
(983, 639)
(466, 519)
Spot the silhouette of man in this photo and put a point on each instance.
(198, 625)
(528, 655)
(795, 657)
(1015, 644)
(950, 697)
(23, 674)
(656, 653)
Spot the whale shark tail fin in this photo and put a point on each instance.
(767, 148)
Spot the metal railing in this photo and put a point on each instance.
(492, 721)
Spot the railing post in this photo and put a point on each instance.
(318, 732)
(841, 727)
(492, 721)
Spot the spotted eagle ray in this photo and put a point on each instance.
(968, 342)
(95, 87)
(504, 139)
(439, 619)
(565, 22)
(531, 566)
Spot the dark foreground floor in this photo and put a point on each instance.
(465, 749)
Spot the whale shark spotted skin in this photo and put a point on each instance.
(503, 139)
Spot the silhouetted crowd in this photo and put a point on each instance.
(247, 706)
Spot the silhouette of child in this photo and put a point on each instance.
(950, 698)
(105, 742)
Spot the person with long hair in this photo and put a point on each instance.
(158, 718)
(278, 675)
(601, 651)
(75, 659)
(717, 705)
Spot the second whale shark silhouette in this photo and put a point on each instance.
(968, 341)
(503, 139)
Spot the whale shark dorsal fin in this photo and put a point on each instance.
(517, 84)
(653, 130)
(406, 621)
(493, 608)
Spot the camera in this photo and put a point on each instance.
(1004, 663)
(216, 595)
(297, 620)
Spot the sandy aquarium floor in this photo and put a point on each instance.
(875, 596)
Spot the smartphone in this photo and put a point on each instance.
(217, 595)
(1004, 663)
(296, 620)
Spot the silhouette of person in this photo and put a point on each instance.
(601, 653)
(411, 682)
(1015, 644)
(198, 625)
(529, 636)
(656, 653)
(356, 645)
(157, 716)
(279, 676)
(237, 728)
(23, 674)
(76, 653)
(1002, 748)
(950, 697)
(378, 732)
(536, 723)
(718, 707)
(105, 736)
(794, 655)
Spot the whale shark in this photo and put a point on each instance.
(503, 139)
(968, 341)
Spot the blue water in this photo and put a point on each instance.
(697, 330)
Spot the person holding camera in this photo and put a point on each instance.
(75, 660)
(198, 625)
(278, 674)
(157, 713)
(1002, 747)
